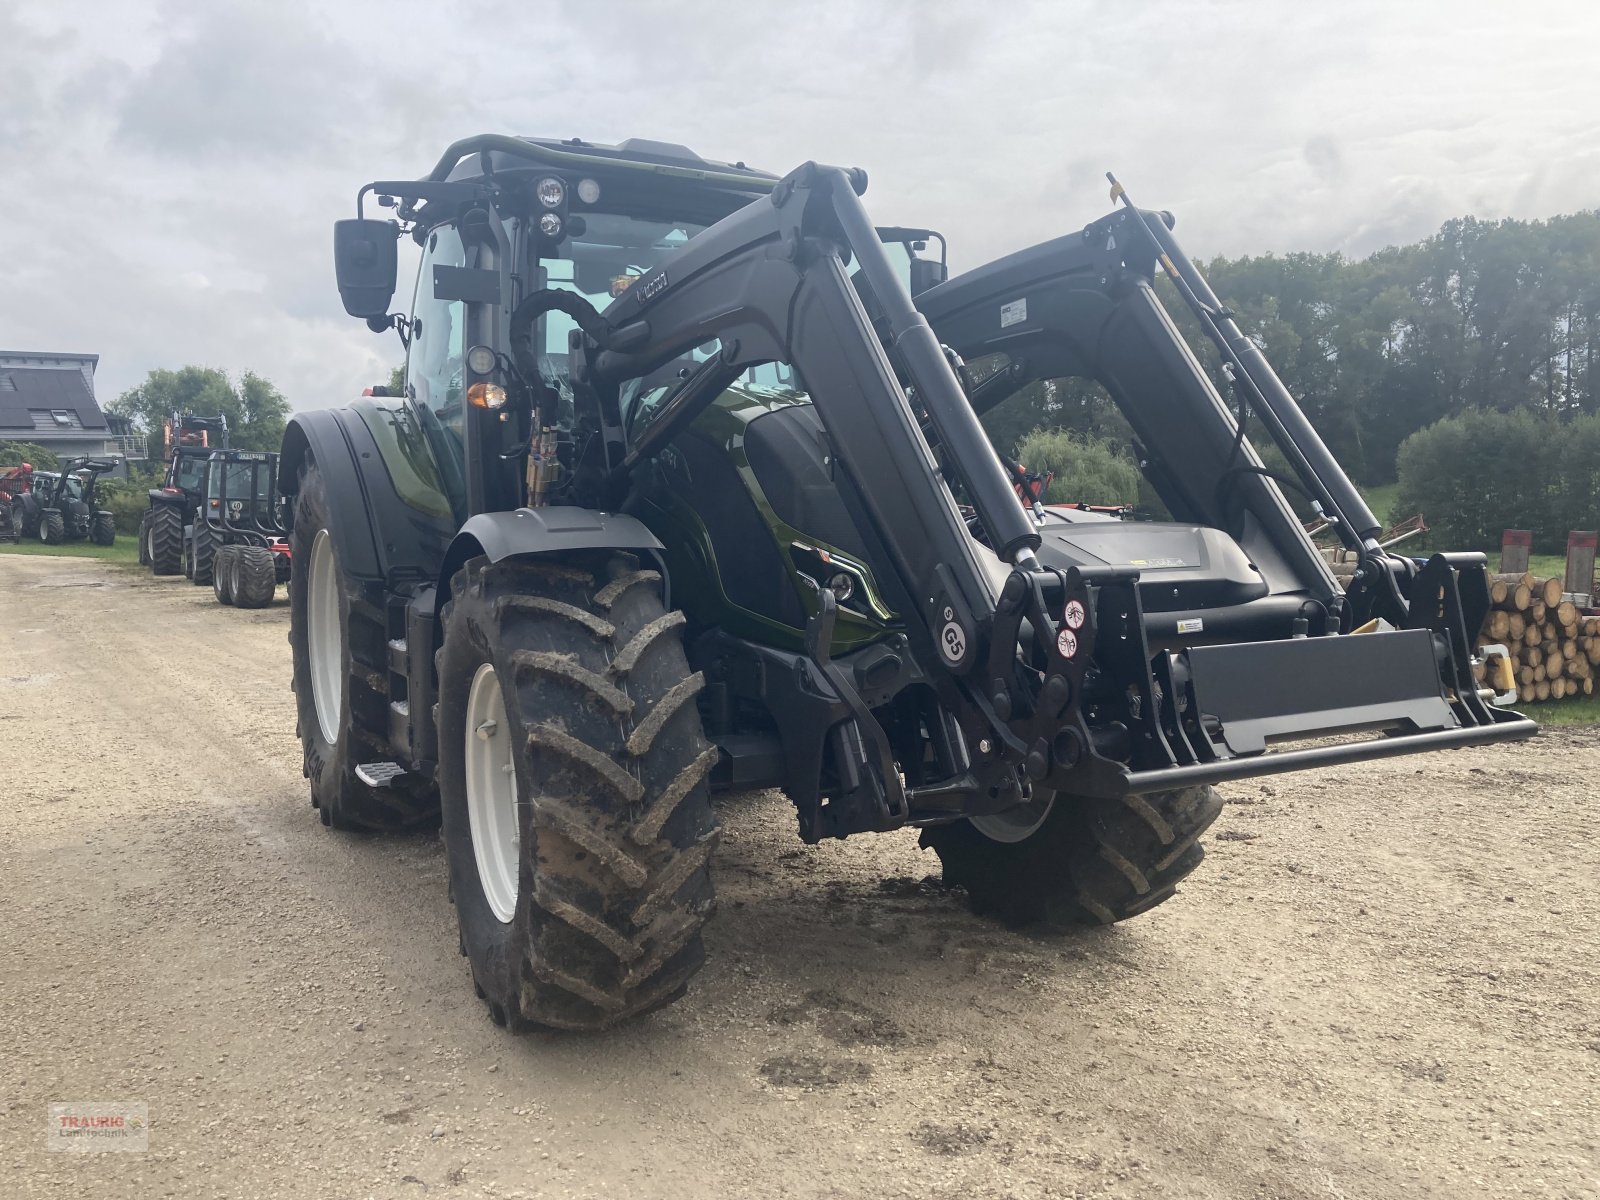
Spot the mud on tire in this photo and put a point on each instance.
(1090, 862)
(616, 828)
(362, 723)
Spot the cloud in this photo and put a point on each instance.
(154, 144)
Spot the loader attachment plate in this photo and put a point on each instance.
(1253, 693)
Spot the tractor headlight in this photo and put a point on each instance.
(551, 192)
(589, 191)
(550, 225)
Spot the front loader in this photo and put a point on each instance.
(685, 493)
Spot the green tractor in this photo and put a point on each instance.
(61, 505)
(685, 493)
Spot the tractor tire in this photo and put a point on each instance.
(52, 527)
(223, 573)
(604, 836)
(144, 539)
(103, 529)
(253, 579)
(354, 653)
(25, 517)
(1086, 862)
(204, 545)
(164, 540)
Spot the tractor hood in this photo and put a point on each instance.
(1180, 566)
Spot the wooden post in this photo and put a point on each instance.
(1580, 562)
(1515, 546)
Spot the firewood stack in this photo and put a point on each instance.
(1554, 648)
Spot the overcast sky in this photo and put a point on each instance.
(170, 171)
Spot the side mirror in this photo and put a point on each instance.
(927, 273)
(365, 259)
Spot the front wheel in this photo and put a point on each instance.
(572, 772)
(164, 540)
(1073, 860)
(339, 649)
(52, 527)
(203, 551)
(103, 529)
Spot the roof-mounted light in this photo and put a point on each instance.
(551, 192)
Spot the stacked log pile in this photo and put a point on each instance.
(1554, 647)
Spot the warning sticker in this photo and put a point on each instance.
(1074, 616)
(1014, 313)
(1192, 625)
(1067, 643)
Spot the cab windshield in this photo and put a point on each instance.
(600, 264)
(235, 480)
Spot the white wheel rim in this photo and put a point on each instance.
(491, 779)
(324, 638)
(1016, 824)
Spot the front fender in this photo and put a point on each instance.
(527, 532)
(558, 529)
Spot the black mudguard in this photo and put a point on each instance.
(380, 537)
(558, 529)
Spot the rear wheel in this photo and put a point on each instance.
(164, 540)
(340, 653)
(25, 517)
(103, 529)
(253, 576)
(572, 769)
(203, 550)
(52, 527)
(1069, 860)
(222, 574)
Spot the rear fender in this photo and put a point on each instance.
(382, 535)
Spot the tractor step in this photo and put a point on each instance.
(381, 774)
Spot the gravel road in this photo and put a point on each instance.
(1385, 981)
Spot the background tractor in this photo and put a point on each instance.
(60, 506)
(15, 482)
(235, 535)
(685, 493)
(187, 441)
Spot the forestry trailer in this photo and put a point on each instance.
(685, 493)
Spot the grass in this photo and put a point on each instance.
(1583, 710)
(124, 550)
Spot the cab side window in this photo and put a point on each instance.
(434, 370)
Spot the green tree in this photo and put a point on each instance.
(1087, 470)
(14, 454)
(256, 410)
(1474, 475)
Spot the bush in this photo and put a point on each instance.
(1087, 470)
(127, 499)
(1480, 473)
(14, 454)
